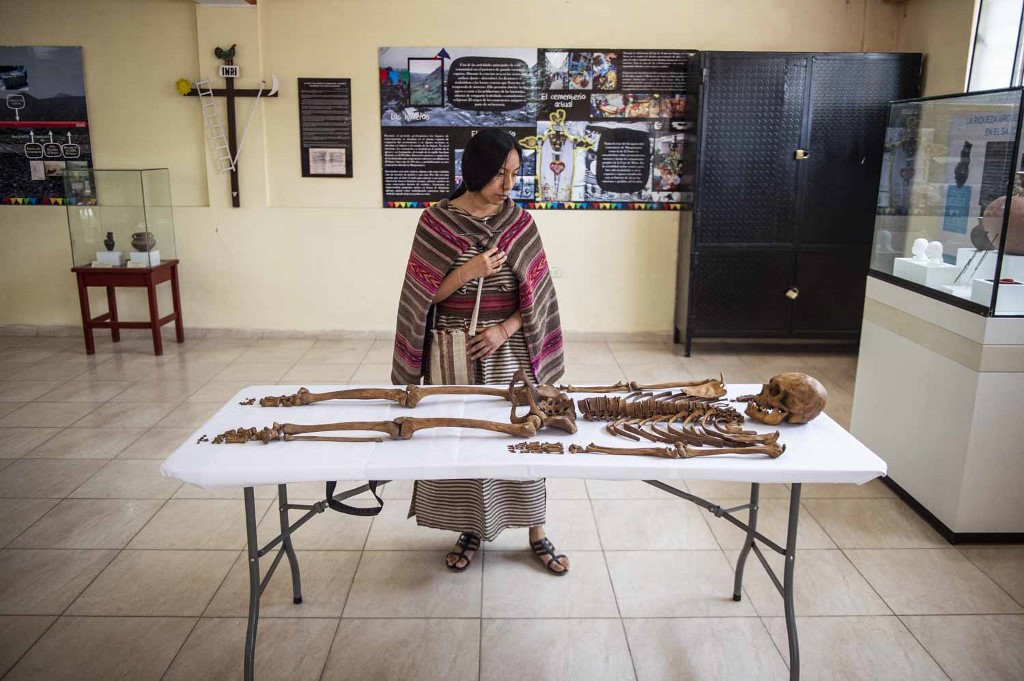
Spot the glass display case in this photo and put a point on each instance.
(119, 218)
(950, 219)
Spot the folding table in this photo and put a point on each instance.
(821, 451)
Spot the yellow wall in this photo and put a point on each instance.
(319, 254)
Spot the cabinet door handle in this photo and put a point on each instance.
(801, 154)
(793, 293)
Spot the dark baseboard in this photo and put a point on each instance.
(948, 534)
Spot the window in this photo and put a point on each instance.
(998, 53)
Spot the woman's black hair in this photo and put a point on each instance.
(483, 157)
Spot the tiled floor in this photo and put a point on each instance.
(108, 571)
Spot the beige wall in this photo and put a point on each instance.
(319, 254)
(942, 30)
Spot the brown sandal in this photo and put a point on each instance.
(543, 547)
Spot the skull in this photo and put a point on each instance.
(793, 397)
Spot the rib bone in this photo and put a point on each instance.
(679, 451)
(709, 388)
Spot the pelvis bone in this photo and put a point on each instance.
(546, 407)
(793, 397)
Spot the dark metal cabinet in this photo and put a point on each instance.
(789, 149)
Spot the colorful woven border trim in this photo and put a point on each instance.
(33, 201)
(562, 205)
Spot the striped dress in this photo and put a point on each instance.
(483, 507)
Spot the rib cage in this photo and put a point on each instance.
(674, 419)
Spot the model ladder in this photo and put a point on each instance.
(211, 119)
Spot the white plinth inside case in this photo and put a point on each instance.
(115, 258)
(1011, 296)
(932, 276)
(959, 290)
(151, 259)
(1013, 265)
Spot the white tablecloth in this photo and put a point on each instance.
(821, 451)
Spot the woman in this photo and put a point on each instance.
(481, 233)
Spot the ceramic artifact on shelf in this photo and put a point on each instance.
(143, 241)
(934, 253)
(109, 241)
(993, 221)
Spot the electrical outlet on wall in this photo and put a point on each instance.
(556, 272)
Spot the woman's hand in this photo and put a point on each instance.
(483, 265)
(486, 341)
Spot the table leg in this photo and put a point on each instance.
(154, 318)
(83, 301)
(787, 582)
(289, 550)
(748, 543)
(115, 332)
(753, 543)
(254, 583)
(179, 327)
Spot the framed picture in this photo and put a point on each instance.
(426, 82)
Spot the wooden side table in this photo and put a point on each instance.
(111, 278)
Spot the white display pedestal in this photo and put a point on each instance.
(115, 258)
(959, 290)
(1013, 265)
(932, 276)
(1011, 296)
(938, 397)
(150, 259)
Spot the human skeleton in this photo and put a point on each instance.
(691, 422)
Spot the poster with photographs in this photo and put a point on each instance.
(600, 128)
(44, 126)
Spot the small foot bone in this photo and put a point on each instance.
(297, 400)
(537, 448)
(242, 435)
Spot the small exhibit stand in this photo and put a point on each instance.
(133, 277)
(928, 274)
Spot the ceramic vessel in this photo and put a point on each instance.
(993, 219)
(109, 241)
(143, 241)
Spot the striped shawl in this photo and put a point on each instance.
(441, 236)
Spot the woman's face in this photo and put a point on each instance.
(497, 190)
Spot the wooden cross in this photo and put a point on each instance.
(230, 72)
